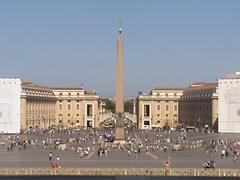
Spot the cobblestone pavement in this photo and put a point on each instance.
(191, 156)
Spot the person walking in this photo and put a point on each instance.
(58, 161)
(50, 156)
(129, 154)
(139, 149)
(223, 153)
(167, 164)
(135, 153)
(165, 148)
(98, 152)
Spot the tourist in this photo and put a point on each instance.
(53, 163)
(106, 152)
(205, 164)
(167, 164)
(165, 148)
(50, 156)
(223, 153)
(25, 145)
(146, 150)
(139, 149)
(129, 154)
(98, 152)
(58, 162)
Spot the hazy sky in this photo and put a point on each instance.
(167, 43)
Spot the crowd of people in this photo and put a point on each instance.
(82, 142)
(230, 148)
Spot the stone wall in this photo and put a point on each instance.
(120, 172)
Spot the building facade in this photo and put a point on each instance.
(199, 105)
(159, 108)
(37, 106)
(45, 107)
(77, 107)
(10, 90)
(229, 103)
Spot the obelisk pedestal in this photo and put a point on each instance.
(120, 135)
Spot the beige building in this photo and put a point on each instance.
(44, 107)
(199, 105)
(37, 106)
(77, 107)
(159, 108)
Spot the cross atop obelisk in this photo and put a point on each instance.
(120, 74)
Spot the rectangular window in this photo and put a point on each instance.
(69, 107)
(89, 110)
(77, 106)
(167, 108)
(60, 106)
(158, 107)
(146, 110)
(175, 107)
(146, 123)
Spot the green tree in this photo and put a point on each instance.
(128, 106)
(110, 105)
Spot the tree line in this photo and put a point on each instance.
(110, 105)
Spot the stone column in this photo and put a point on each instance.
(214, 113)
(134, 106)
(23, 113)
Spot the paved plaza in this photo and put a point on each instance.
(194, 149)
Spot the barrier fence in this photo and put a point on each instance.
(119, 172)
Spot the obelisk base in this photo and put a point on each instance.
(119, 138)
(120, 135)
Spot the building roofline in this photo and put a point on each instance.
(26, 84)
(66, 88)
(169, 88)
(201, 83)
(34, 86)
(201, 87)
(232, 76)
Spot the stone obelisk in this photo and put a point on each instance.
(120, 138)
